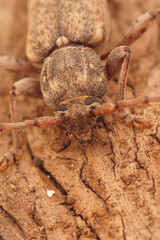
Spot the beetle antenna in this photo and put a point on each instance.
(109, 108)
(42, 122)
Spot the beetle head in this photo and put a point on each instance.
(79, 123)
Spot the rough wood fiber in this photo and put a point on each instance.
(109, 191)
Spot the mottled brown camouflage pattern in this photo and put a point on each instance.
(72, 72)
(83, 22)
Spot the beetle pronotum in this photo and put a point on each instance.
(63, 35)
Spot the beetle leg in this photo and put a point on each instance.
(42, 122)
(119, 58)
(138, 27)
(123, 75)
(132, 120)
(16, 65)
(26, 86)
(129, 119)
(116, 59)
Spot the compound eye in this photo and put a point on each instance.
(92, 101)
(62, 108)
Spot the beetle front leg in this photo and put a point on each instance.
(26, 86)
(42, 122)
(118, 60)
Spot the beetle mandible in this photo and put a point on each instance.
(65, 36)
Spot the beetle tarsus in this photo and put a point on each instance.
(8, 158)
(133, 121)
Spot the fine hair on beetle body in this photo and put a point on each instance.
(66, 37)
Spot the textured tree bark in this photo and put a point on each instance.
(110, 190)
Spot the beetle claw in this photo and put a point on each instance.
(133, 121)
(8, 158)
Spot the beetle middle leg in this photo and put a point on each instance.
(28, 87)
(16, 65)
(136, 29)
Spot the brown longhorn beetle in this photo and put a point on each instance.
(66, 36)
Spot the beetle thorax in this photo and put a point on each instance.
(71, 72)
